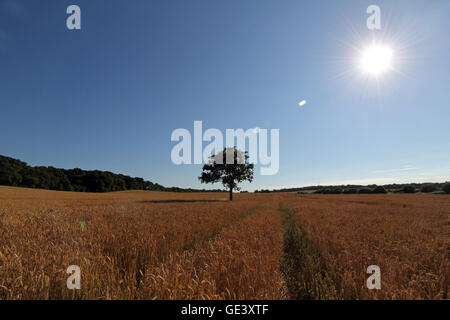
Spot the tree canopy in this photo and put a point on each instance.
(19, 174)
(237, 169)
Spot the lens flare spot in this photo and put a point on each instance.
(302, 103)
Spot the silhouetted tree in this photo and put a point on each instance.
(231, 172)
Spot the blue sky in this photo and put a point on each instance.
(108, 96)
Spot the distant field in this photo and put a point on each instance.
(158, 245)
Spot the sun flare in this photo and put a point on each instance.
(376, 60)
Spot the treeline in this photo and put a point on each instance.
(17, 173)
(371, 189)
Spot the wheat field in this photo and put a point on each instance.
(158, 245)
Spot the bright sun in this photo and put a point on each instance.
(376, 60)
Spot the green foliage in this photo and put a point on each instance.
(17, 173)
(409, 189)
(428, 188)
(379, 189)
(9, 171)
(446, 188)
(351, 189)
(230, 174)
(332, 191)
(365, 191)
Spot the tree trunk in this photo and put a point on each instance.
(231, 193)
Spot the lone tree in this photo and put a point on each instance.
(231, 172)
